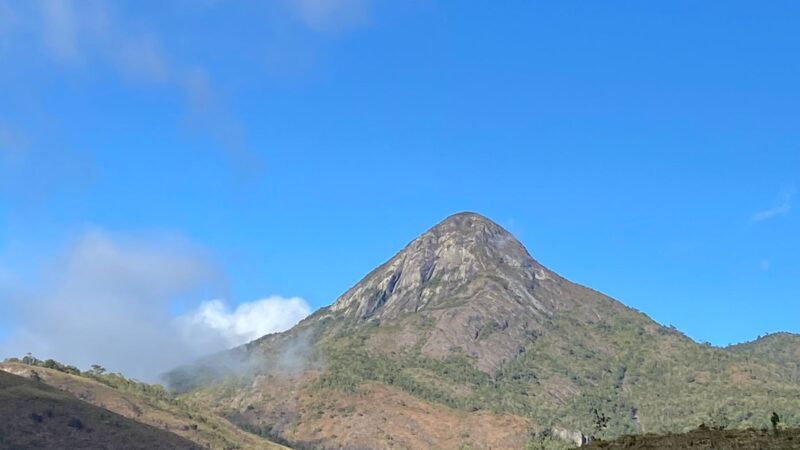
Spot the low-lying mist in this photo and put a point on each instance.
(287, 354)
(106, 300)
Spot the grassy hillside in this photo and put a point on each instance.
(148, 404)
(34, 415)
(639, 382)
(782, 349)
(623, 375)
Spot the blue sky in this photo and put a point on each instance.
(650, 150)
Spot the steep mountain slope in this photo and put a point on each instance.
(143, 404)
(483, 294)
(34, 415)
(464, 319)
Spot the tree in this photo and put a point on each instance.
(600, 420)
(718, 418)
(97, 369)
(775, 419)
(30, 360)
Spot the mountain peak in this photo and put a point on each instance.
(453, 259)
(467, 272)
(470, 224)
(471, 243)
(466, 218)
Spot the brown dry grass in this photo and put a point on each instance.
(376, 416)
(206, 430)
(379, 416)
(34, 415)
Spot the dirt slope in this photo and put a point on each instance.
(707, 439)
(167, 414)
(34, 415)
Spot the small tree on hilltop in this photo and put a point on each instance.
(51, 364)
(29, 359)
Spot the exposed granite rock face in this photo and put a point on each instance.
(465, 257)
(484, 294)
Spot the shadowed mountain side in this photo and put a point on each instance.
(149, 405)
(34, 415)
(706, 438)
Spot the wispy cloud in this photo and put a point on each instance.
(13, 143)
(60, 29)
(107, 300)
(36, 166)
(88, 33)
(83, 35)
(7, 19)
(783, 206)
(332, 15)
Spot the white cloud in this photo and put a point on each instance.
(784, 205)
(107, 299)
(247, 322)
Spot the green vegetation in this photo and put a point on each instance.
(780, 349)
(649, 387)
(775, 420)
(48, 363)
(115, 380)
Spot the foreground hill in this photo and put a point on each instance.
(148, 405)
(463, 339)
(34, 415)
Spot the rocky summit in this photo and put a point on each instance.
(484, 295)
(463, 339)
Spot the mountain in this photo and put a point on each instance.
(463, 339)
(34, 415)
(121, 413)
(480, 292)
